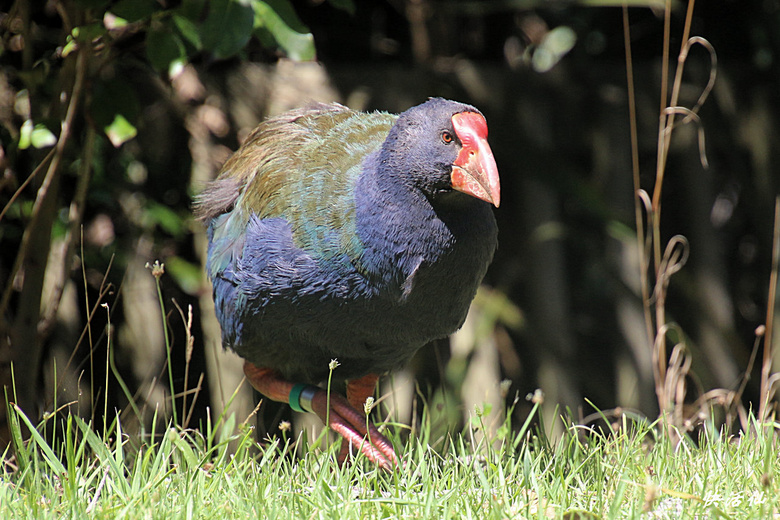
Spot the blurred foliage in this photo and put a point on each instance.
(79, 88)
(112, 114)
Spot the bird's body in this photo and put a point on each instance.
(336, 234)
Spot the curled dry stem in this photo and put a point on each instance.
(670, 375)
(690, 116)
(675, 384)
(674, 258)
(666, 374)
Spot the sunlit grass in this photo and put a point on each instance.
(630, 473)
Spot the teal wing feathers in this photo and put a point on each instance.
(302, 167)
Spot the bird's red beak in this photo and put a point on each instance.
(474, 171)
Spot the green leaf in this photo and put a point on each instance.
(227, 27)
(165, 217)
(120, 130)
(164, 47)
(87, 33)
(186, 274)
(82, 34)
(70, 45)
(133, 10)
(277, 19)
(188, 30)
(191, 9)
(42, 137)
(37, 136)
(554, 46)
(114, 108)
(25, 134)
(112, 21)
(284, 10)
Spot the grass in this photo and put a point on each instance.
(634, 471)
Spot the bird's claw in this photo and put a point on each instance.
(356, 430)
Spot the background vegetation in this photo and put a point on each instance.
(113, 114)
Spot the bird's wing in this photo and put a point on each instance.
(301, 167)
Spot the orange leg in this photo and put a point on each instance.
(339, 414)
(358, 390)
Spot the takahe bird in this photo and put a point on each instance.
(336, 234)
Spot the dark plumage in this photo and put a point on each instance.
(336, 234)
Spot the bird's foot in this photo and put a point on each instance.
(335, 411)
(355, 428)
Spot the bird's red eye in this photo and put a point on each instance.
(446, 137)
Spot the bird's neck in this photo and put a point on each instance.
(398, 224)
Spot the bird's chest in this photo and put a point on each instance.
(428, 275)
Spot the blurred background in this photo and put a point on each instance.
(114, 114)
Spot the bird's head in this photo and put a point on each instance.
(440, 146)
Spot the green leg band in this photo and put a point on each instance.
(295, 397)
(301, 396)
